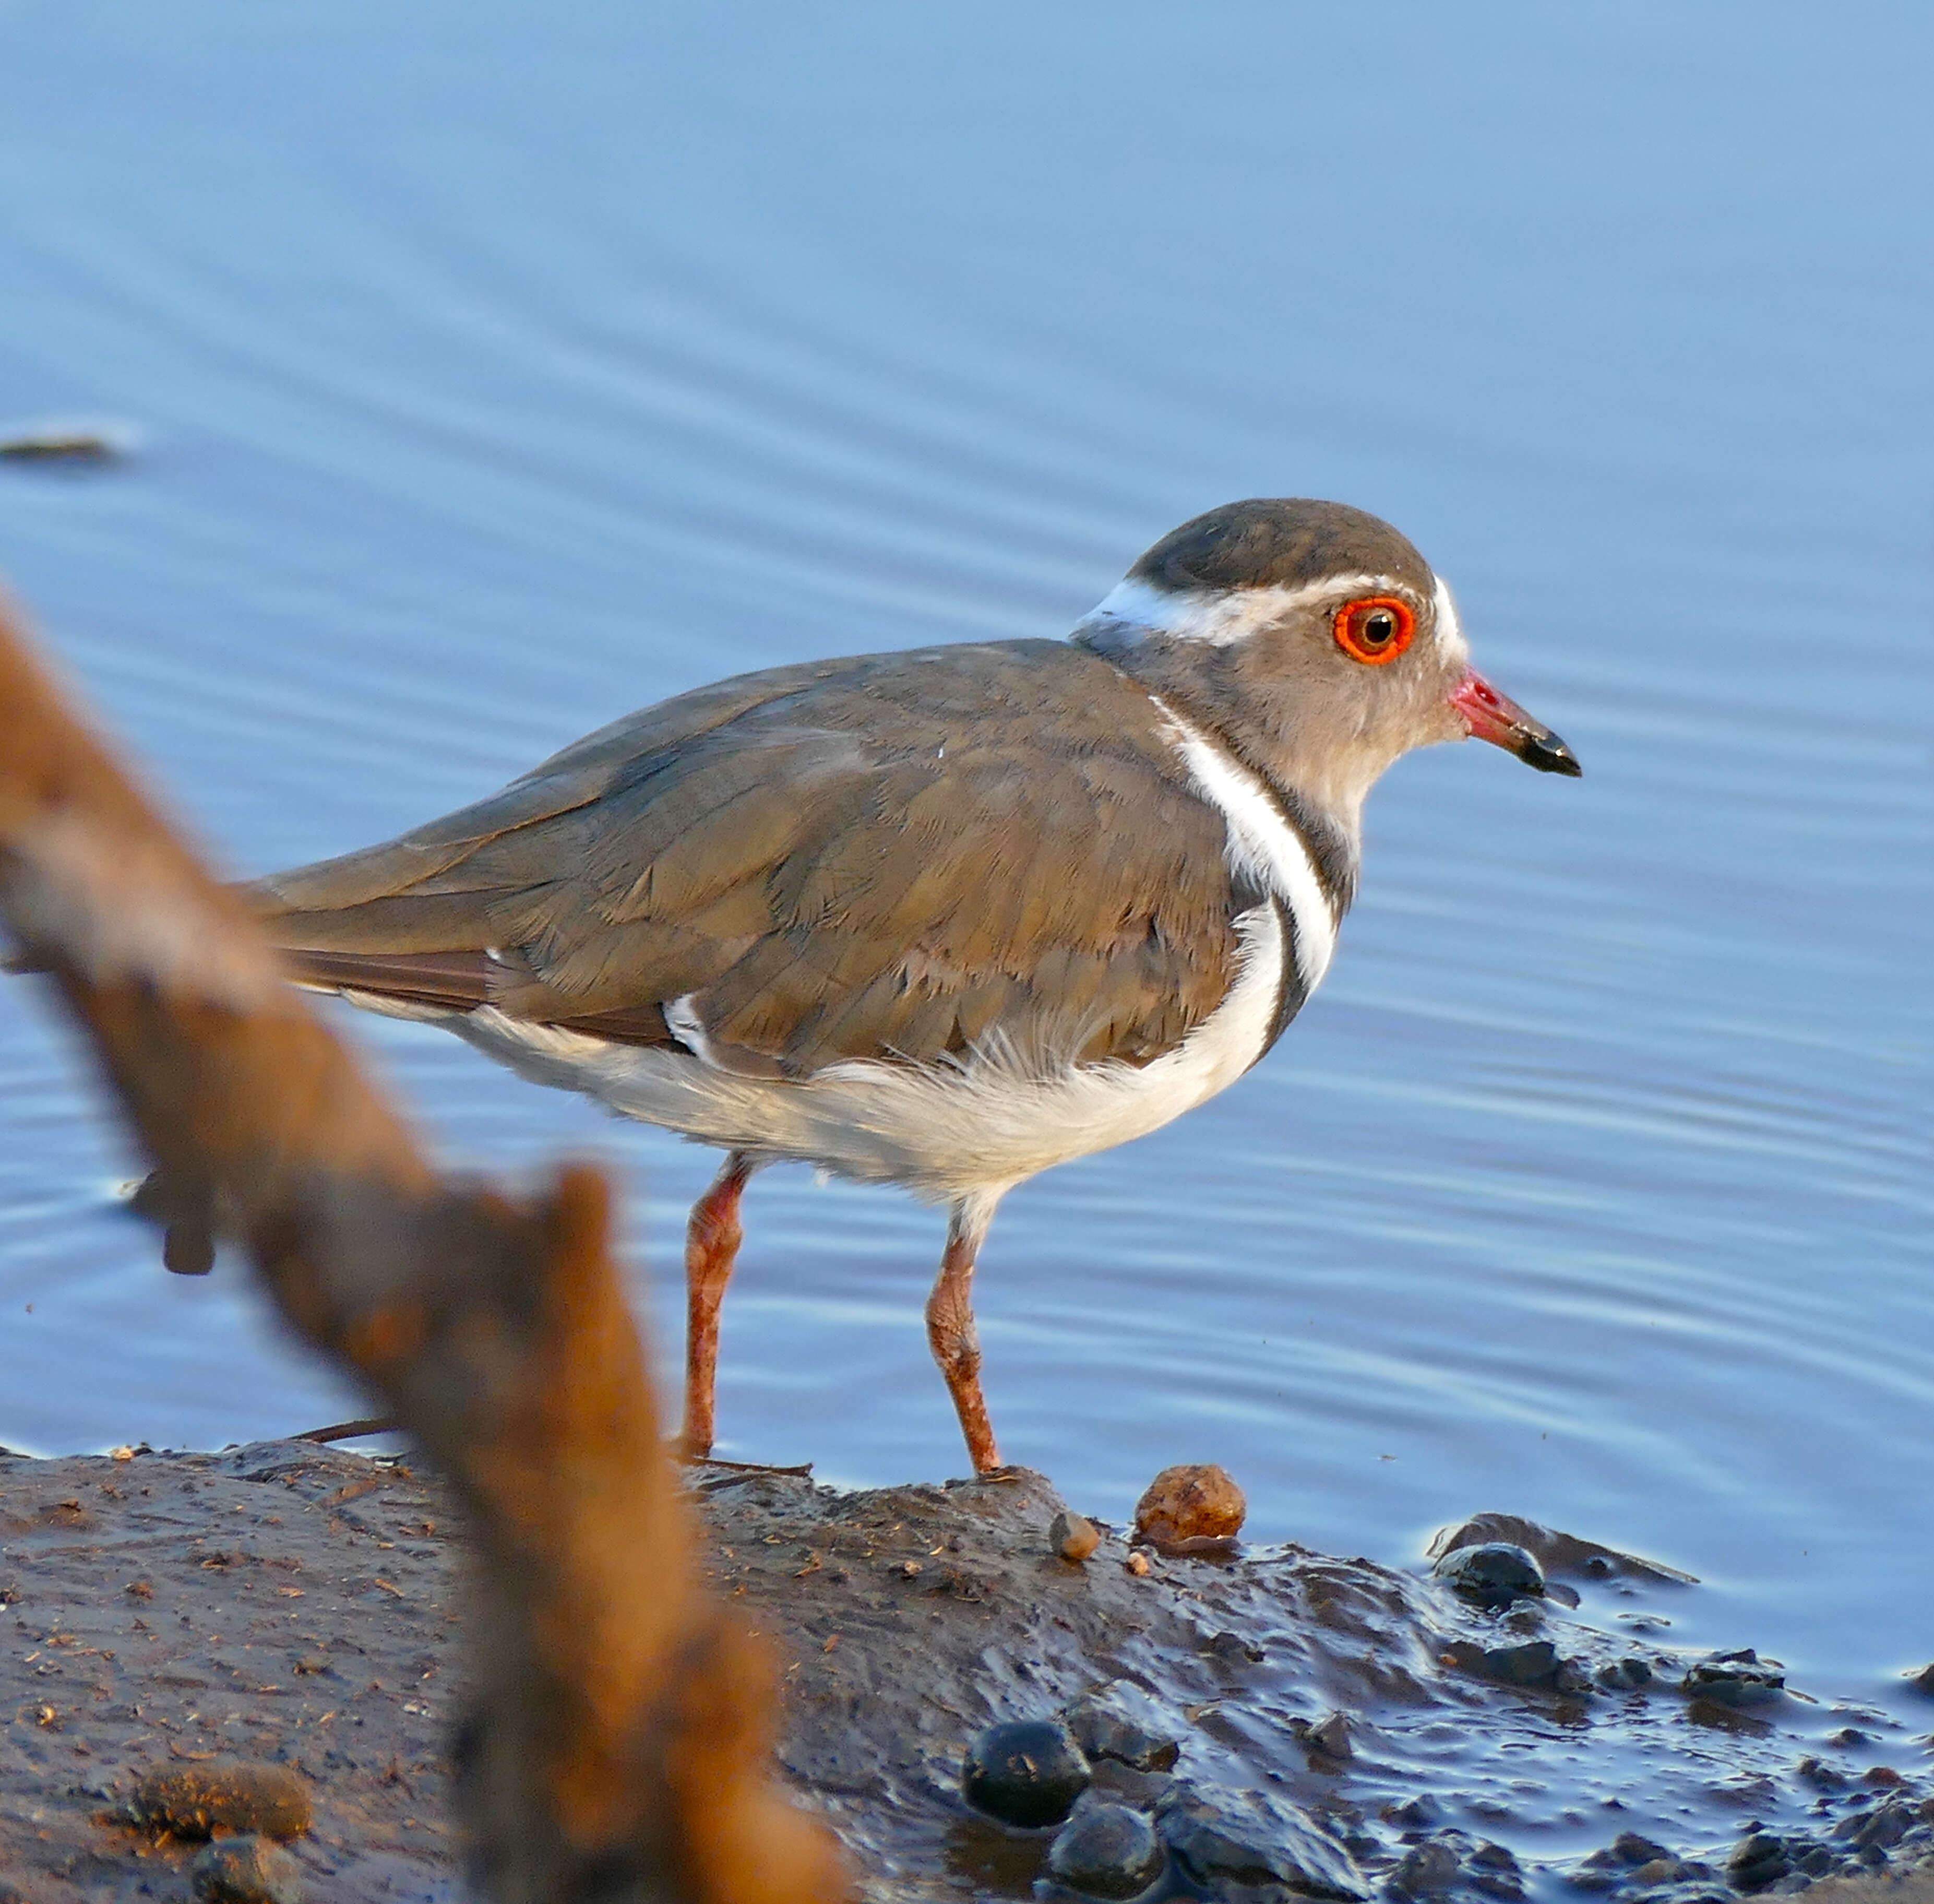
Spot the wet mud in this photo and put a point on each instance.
(1274, 1721)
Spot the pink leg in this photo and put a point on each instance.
(711, 1246)
(950, 1332)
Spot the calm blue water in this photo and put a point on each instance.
(495, 377)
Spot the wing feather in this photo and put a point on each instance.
(895, 857)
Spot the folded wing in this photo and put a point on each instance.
(900, 857)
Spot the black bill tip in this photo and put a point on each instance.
(1550, 754)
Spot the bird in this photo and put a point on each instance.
(943, 917)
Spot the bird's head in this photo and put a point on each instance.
(1316, 640)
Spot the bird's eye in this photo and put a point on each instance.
(1375, 630)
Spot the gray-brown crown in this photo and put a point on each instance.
(1280, 541)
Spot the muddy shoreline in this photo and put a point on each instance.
(297, 1605)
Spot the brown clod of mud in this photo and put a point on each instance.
(197, 1801)
(1184, 1506)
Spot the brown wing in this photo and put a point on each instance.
(894, 857)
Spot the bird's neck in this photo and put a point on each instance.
(1328, 815)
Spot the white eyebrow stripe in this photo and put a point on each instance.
(1450, 625)
(1261, 844)
(1220, 618)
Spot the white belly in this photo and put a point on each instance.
(942, 1130)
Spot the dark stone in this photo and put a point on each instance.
(1599, 1870)
(1427, 1870)
(1762, 1860)
(1758, 1861)
(1536, 1663)
(1735, 1679)
(1625, 1675)
(1667, 1870)
(1233, 1649)
(1879, 1830)
(1122, 1784)
(1493, 1869)
(1222, 1837)
(1493, 1574)
(1331, 1736)
(1631, 1847)
(249, 1869)
(1118, 1720)
(1107, 1851)
(1924, 1680)
(1028, 1772)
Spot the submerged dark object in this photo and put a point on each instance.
(1735, 1679)
(1107, 1851)
(1493, 1573)
(1028, 1772)
(72, 443)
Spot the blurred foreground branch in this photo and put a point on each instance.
(617, 1738)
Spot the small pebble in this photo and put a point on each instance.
(193, 1801)
(1028, 1772)
(248, 1870)
(1879, 1830)
(1137, 1563)
(1107, 1851)
(1758, 1861)
(1425, 1871)
(1492, 1574)
(1493, 1869)
(1667, 1870)
(1190, 1503)
(1073, 1536)
(1536, 1663)
(1331, 1736)
(1624, 1675)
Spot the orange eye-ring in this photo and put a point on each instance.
(1375, 629)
